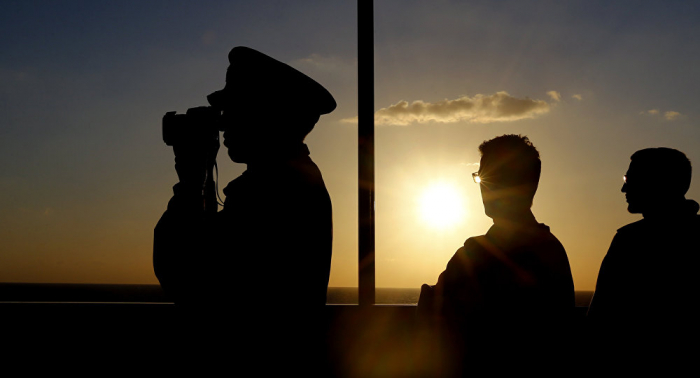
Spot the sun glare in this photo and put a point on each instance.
(441, 205)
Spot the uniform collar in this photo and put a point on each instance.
(280, 155)
(280, 158)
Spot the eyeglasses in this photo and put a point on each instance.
(624, 178)
(476, 177)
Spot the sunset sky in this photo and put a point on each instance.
(85, 175)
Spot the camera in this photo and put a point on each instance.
(198, 125)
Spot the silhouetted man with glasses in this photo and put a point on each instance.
(648, 281)
(499, 287)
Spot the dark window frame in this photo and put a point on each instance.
(365, 152)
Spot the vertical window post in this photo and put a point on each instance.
(365, 140)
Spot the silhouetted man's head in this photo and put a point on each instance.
(656, 178)
(267, 105)
(510, 172)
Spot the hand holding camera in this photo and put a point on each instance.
(194, 137)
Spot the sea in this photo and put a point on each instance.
(109, 293)
(408, 296)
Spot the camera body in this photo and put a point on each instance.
(198, 125)
(195, 135)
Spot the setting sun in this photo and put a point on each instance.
(441, 205)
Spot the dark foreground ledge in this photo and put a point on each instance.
(96, 337)
(78, 328)
(104, 293)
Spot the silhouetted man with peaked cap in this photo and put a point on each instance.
(648, 281)
(253, 277)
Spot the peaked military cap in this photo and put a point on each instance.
(254, 75)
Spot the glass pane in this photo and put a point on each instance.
(84, 172)
(589, 83)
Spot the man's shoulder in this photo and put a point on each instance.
(300, 172)
(475, 248)
(545, 235)
(644, 228)
(537, 236)
(475, 244)
(238, 185)
(530, 236)
(633, 227)
(465, 260)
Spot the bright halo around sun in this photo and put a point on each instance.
(441, 205)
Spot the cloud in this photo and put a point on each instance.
(325, 63)
(554, 95)
(498, 107)
(668, 115)
(577, 96)
(671, 115)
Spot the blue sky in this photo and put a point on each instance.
(84, 174)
